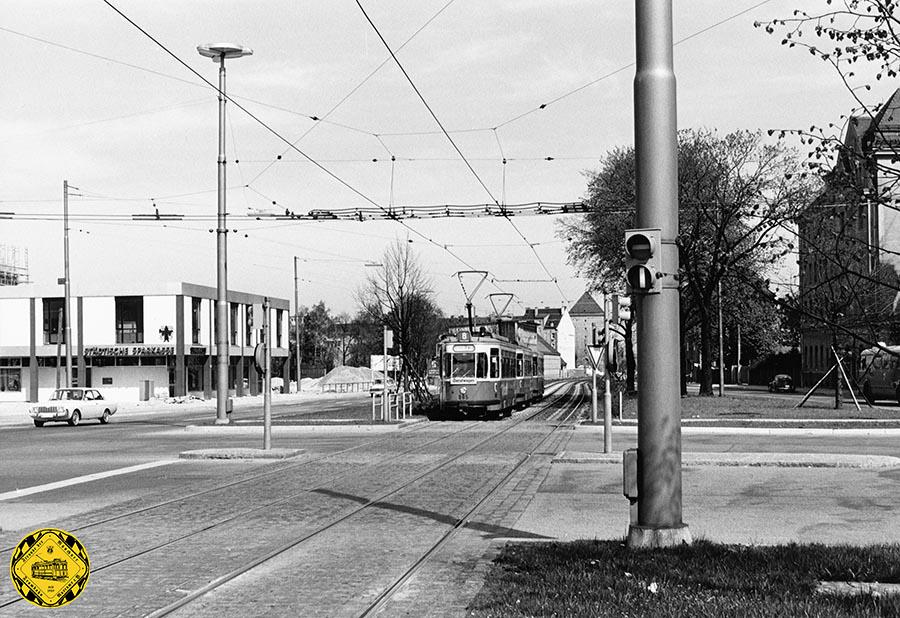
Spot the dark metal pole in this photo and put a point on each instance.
(67, 288)
(267, 378)
(222, 345)
(659, 402)
(297, 319)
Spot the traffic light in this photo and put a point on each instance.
(642, 261)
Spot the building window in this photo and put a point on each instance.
(248, 328)
(10, 379)
(54, 329)
(129, 319)
(279, 321)
(195, 320)
(234, 323)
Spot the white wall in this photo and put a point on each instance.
(159, 311)
(99, 320)
(207, 307)
(127, 379)
(565, 345)
(15, 322)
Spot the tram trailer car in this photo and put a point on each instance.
(487, 375)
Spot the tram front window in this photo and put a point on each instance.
(463, 366)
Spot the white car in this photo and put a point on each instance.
(72, 405)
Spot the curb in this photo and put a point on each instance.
(768, 460)
(241, 453)
(295, 429)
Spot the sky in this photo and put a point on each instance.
(89, 98)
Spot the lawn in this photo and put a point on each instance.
(749, 405)
(604, 578)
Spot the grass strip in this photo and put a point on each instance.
(604, 578)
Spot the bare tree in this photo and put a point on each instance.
(398, 295)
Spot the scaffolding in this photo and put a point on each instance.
(13, 265)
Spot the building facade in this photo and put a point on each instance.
(587, 322)
(849, 246)
(133, 344)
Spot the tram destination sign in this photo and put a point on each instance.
(129, 350)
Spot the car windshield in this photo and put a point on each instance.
(64, 393)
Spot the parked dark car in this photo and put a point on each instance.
(782, 383)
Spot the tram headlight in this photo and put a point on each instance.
(463, 390)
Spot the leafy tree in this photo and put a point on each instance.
(317, 336)
(737, 193)
(399, 297)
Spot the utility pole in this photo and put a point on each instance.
(68, 287)
(658, 470)
(297, 318)
(267, 377)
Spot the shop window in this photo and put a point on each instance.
(195, 320)
(129, 319)
(10, 379)
(53, 309)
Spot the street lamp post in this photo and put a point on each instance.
(218, 52)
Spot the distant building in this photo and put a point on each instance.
(587, 322)
(556, 333)
(13, 265)
(125, 340)
(860, 208)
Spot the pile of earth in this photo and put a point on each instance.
(346, 374)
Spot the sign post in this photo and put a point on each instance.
(607, 395)
(595, 355)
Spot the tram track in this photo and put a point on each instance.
(384, 598)
(326, 481)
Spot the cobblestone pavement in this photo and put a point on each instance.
(145, 560)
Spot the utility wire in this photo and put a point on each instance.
(356, 88)
(453, 143)
(424, 102)
(627, 66)
(275, 133)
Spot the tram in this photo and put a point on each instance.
(56, 569)
(483, 374)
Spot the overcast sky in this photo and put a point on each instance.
(88, 98)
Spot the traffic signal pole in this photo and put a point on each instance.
(659, 515)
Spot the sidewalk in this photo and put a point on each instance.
(730, 497)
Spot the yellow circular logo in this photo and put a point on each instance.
(50, 567)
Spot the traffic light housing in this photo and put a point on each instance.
(621, 308)
(642, 260)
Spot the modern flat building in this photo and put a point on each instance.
(145, 340)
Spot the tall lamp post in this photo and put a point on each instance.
(218, 52)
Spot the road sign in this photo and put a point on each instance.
(595, 355)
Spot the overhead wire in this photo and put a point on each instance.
(358, 86)
(453, 142)
(277, 134)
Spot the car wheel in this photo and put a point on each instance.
(105, 418)
(76, 418)
(38, 423)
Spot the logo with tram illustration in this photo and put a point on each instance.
(49, 567)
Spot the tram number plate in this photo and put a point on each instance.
(463, 396)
